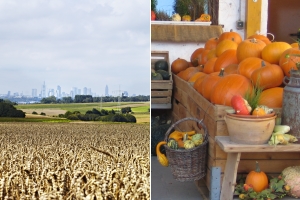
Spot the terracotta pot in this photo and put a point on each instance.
(250, 130)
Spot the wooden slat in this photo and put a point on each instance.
(161, 100)
(253, 17)
(228, 146)
(161, 93)
(161, 84)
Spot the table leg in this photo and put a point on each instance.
(230, 174)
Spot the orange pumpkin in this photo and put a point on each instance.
(210, 65)
(211, 54)
(196, 56)
(267, 76)
(226, 58)
(228, 86)
(272, 52)
(209, 82)
(271, 97)
(249, 48)
(257, 179)
(188, 73)
(263, 38)
(231, 69)
(288, 62)
(179, 65)
(295, 44)
(196, 76)
(211, 43)
(225, 45)
(249, 65)
(203, 57)
(198, 83)
(231, 35)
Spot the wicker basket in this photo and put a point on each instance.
(188, 164)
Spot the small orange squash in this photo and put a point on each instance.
(211, 43)
(257, 179)
(272, 52)
(188, 73)
(225, 45)
(231, 35)
(250, 48)
(259, 111)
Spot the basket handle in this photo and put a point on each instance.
(200, 122)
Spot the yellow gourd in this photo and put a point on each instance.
(162, 159)
(178, 135)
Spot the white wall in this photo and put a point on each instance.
(229, 14)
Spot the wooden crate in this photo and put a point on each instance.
(187, 102)
(161, 90)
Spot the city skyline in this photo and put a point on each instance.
(58, 92)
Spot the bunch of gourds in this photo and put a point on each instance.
(228, 65)
(280, 135)
(178, 140)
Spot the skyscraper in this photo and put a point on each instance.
(106, 91)
(85, 91)
(43, 90)
(58, 92)
(34, 93)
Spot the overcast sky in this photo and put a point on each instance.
(75, 43)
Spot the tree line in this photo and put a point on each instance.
(91, 99)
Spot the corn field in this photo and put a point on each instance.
(74, 161)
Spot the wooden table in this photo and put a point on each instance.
(234, 151)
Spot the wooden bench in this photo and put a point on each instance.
(234, 151)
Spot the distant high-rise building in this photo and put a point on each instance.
(51, 92)
(43, 90)
(89, 91)
(85, 91)
(106, 91)
(58, 92)
(79, 91)
(34, 93)
(74, 92)
(8, 93)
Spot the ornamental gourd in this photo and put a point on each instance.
(257, 179)
(197, 139)
(240, 105)
(172, 143)
(188, 144)
(162, 159)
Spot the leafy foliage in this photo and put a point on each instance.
(8, 110)
(194, 8)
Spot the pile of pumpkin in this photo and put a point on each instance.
(228, 65)
(178, 140)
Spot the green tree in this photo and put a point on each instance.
(153, 5)
(8, 110)
(47, 100)
(194, 8)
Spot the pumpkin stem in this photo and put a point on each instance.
(263, 64)
(221, 74)
(253, 40)
(257, 169)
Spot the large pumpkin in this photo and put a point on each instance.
(228, 86)
(250, 48)
(196, 76)
(188, 73)
(231, 69)
(249, 65)
(196, 56)
(179, 65)
(225, 45)
(272, 52)
(271, 97)
(209, 82)
(203, 57)
(210, 65)
(267, 76)
(288, 61)
(226, 58)
(211, 43)
(198, 83)
(231, 35)
(263, 38)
